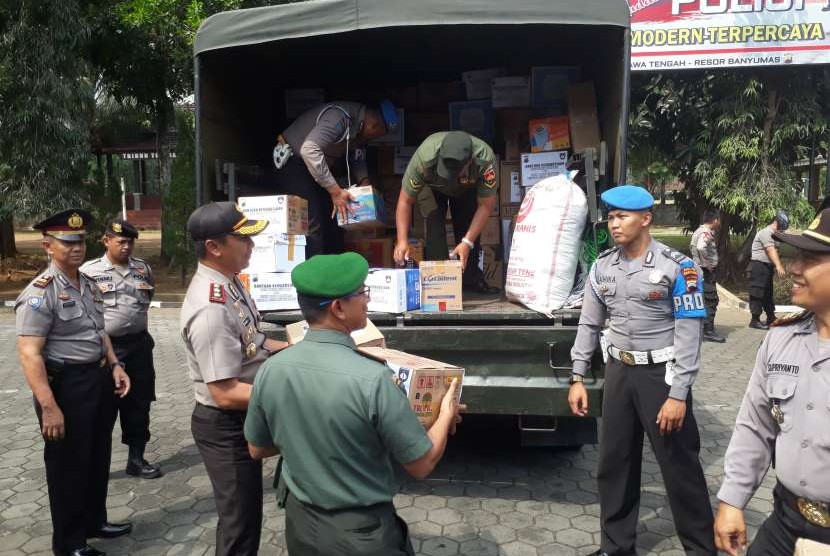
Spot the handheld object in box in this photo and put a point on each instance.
(369, 336)
(394, 290)
(441, 286)
(539, 166)
(510, 183)
(549, 85)
(425, 381)
(582, 111)
(366, 209)
(549, 134)
(510, 92)
(473, 116)
(393, 138)
(271, 291)
(286, 214)
(276, 253)
(478, 83)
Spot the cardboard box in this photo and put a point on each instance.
(549, 85)
(491, 234)
(395, 290)
(298, 101)
(510, 183)
(549, 134)
(403, 97)
(473, 116)
(377, 251)
(478, 83)
(286, 214)
(425, 381)
(510, 92)
(366, 209)
(491, 264)
(436, 96)
(395, 138)
(271, 291)
(276, 253)
(509, 211)
(584, 121)
(416, 250)
(441, 286)
(513, 124)
(365, 337)
(537, 166)
(507, 227)
(401, 159)
(424, 124)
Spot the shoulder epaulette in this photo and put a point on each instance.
(43, 281)
(676, 256)
(217, 293)
(792, 318)
(608, 252)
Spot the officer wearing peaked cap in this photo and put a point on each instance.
(225, 347)
(783, 419)
(127, 285)
(337, 481)
(75, 376)
(652, 299)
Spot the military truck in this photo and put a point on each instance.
(516, 360)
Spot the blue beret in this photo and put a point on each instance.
(628, 197)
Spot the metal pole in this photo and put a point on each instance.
(197, 99)
(123, 200)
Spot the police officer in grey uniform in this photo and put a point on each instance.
(75, 376)
(127, 286)
(704, 249)
(652, 298)
(225, 347)
(783, 419)
(308, 149)
(764, 264)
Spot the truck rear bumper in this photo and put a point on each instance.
(503, 395)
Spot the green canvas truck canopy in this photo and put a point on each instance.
(325, 17)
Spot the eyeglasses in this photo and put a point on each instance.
(365, 291)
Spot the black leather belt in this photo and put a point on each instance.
(61, 366)
(817, 513)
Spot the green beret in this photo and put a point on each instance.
(330, 276)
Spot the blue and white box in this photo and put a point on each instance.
(394, 290)
(367, 209)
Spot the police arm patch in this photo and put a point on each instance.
(687, 294)
(35, 301)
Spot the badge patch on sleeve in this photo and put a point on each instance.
(490, 176)
(690, 275)
(35, 301)
(688, 294)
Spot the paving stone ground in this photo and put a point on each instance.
(487, 498)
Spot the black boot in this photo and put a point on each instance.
(137, 466)
(757, 324)
(709, 335)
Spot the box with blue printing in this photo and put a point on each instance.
(394, 290)
(367, 209)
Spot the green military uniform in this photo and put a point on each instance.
(338, 419)
(431, 178)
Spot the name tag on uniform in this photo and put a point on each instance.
(106, 287)
(141, 285)
(68, 304)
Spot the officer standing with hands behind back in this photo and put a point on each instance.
(652, 298)
(127, 286)
(75, 376)
(783, 419)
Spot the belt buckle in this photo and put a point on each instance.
(628, 358)
(814, 512)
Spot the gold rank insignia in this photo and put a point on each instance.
(250, 350)
(116, 227)
(217, 293)
(75, 221)
(42, 282)
(815, 223)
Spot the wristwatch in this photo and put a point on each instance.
(576, 378)
(468, 243)
(120, 363)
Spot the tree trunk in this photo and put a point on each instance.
(8, 248)
(773, 106)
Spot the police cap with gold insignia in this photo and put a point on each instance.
(122, 228)
(455, 151)
(330, 276)
(815, 238)
(67, 225)
(628, 197)
(219, 219)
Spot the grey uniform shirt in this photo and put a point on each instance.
(219, 322)
(704, 247)
(71, 319)
(639, 298)
(792, 368)
(763, 239)
(127, 292)
(319, 137)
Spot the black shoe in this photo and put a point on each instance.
(110, 531)
(137, 466)
(758, 325)
(598, 553)
(84, 551)
(712, 336)
(481, 287)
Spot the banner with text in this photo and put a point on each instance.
(700, 34)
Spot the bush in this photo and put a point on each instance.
(180, 201)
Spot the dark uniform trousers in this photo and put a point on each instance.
(324, 235)
(710, 297)
(136, 352)
(633, 398)
(760, 290)
(236, 478)
(780, 531)
(463, 209)
(78, 466)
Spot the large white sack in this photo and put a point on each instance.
(544, 254)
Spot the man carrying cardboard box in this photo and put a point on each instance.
(456, 170)
(338, 419)
(308, 148)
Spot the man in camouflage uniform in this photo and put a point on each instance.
(704, 248)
